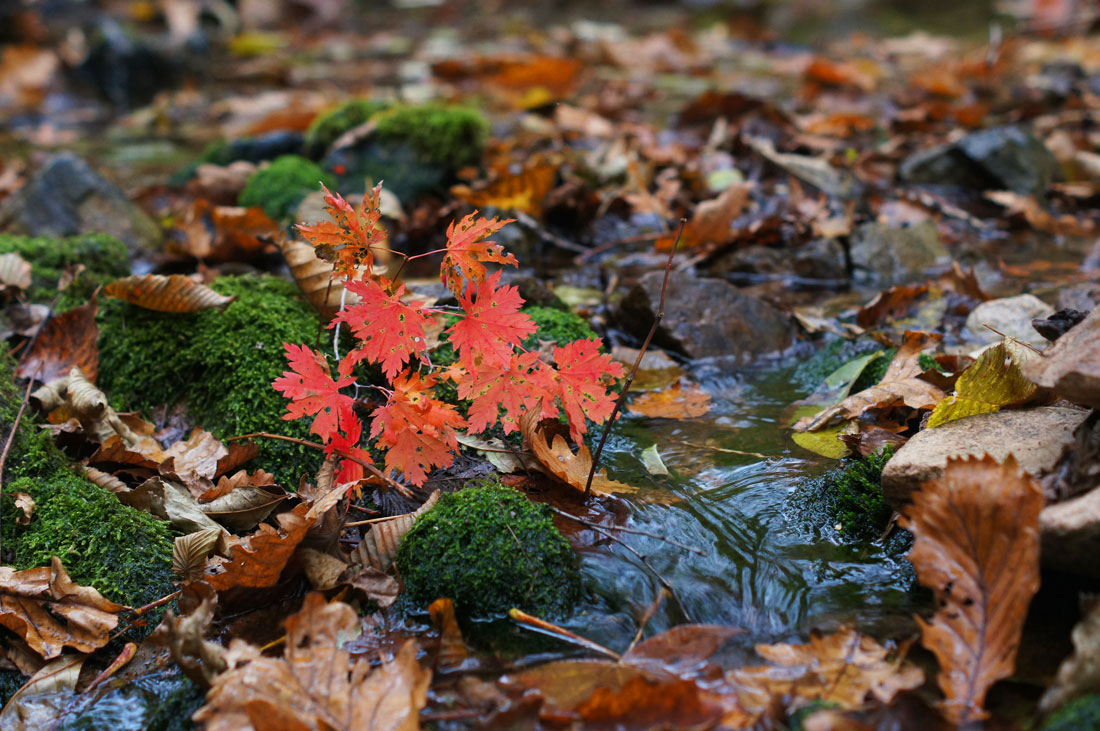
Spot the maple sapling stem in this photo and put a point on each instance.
(637, 363)
(321, 322)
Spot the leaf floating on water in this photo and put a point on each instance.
(672, 403)
(976, 545)
(173, 293)
(651, 458)
(989, 384)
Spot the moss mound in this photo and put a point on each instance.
(560, 326)
(328, 127)
(1080, 715)
(862, 510)
(103, 257)
(448, 136)
(123, 552)
(489, 549)
(220, 364)
(280, 186)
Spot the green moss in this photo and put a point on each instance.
(220, 363)
(103, 257)
(280, 186)
(874, 371)
(489, 549)
(10, 681)
(328, 127)
(1082, 714)
(447, 136)
(862, 511)
(810, 372)
(560, 326)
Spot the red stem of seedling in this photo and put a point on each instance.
(637, 363)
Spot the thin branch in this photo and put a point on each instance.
(402, 489)
(14, 429)
(538, 624)
(153, 605)
(649, 612)
(635, 531)
(721, 449)
(637, 362)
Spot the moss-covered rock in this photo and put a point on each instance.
(489, 549)
(219, 363)
(103, 257)
(124, 553)
(848, 498)
(559, 326)
(280, 186)
(328, 127)
(1082, 714)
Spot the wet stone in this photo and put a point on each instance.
(1011, 316)
(1071, 367)
(883, 256)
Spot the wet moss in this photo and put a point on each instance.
(862, 511)
(326, 128)
(809, 374)
(1081, 714)
(489, 549)
(219, 363)
(103, 257)
(447, 136)
(874, 371)
(560, 326)
(280, 186)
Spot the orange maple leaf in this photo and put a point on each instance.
(467, 251)
(583, 373)
(415, 429)
(348, 238)
(492, 324)
(391, 331)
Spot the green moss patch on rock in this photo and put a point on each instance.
(329, 126)
(448, 136)
(103, 257)
(1081, 714)
(219, 363)
(489, 549)
(848, 498)
(560, 326)
(280, 186)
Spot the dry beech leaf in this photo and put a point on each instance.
(195, 459)
(840, 668)
(651, 703)
(50, 612)
(106, 481)
(244, 508)
(976, 545)
(66, 341)
(15, 273)
(550, 447)
(45, 698)
(239, 453)
(378, 548)
(260, 558)
(190, 551)
(901, 384)
(1079, 674)
(377, 586)
(241, 478)
(987, 385)
(672, 403)
(171, 501)
(710, 224)
(25, 504)
(452, 648)
(322, 570)
(316, 685)
(201, 661)
(314, 276)
(87, 401)
(173, 293)
(679, 650)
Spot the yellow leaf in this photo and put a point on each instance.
(989, 384)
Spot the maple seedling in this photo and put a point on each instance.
(416, 431)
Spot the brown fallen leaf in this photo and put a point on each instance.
(452, 648)
(15, 273)
(380, 588)
(892, 303)
(976, 545)
(173, 293)
(315, 278)
(25, 504)
(649, 703)
(672, 403)
(546, 439)
(1039, 218)
(189, 553)
(710, 223)
(378, 548)
(224, 233)
(259, 559)
(45, 698)
(901, 384)
(66, 341)
(199, 659)
(51, 612)
(315, 684)
(681, 649)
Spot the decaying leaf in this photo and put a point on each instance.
(316, 685)
(452, 648)
(50, 612)
(260, 558)
(199, 659)
(25, 504)
(171, 501)
(901, 384)
(104, 480)
(195, 459)
(378, 548)
(244, 508)
(15, 273)
(976, 545)
(315, 278)
(189, 553)
(44, 699)
(989, 384)
(523, 192)
(1079, 674)
(66, 341)
(379, 587)
(672, 403)
(547, 441)
(680, 650)
(173, 293)
(710, 223)
(323, 570)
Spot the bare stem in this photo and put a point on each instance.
(635, 531)
(637, 362)
(14, 428)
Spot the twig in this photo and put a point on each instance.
(1032, 348)
(402, 489)
(14, 428)
(637, 362)
(608, 245)
(635, 531)
(531, 622)
(153, 605)
(526, 220)
(721, 449)
(649, 612)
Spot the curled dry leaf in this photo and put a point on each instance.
(171, 501)
(901, 384)
(672, 403)
(173, 293)
(452, 648)
(380, 588)
(50, 612)
(15, 273)
(989, 384)
(378, 548)
(260, 558)
(227, 233)
(316, 684)
(241, 478)
(25, 504)
(551, 449)
(194, 460)
(106, 481)
(244, 508)
(322, 570)
(710, 224)
(976, 545)
(315, 278)
(190, 551)
(65, 341)
(201, 661)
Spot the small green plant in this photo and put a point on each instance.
(489, 549)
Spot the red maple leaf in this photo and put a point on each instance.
(415, 429)
(348, 444)
(583, 373)
(515, 389)
(466, 251)
(391, 331)
(347, 239)
(312, 391)
(492, 324)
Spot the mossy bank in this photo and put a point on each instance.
(220, 364)
(92, 259)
